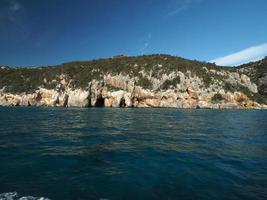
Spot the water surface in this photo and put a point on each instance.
(99, 153)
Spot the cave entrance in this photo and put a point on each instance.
(100, 102)
(122, 103)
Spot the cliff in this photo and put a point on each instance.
(143, 81)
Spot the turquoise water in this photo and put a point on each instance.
(113, 154)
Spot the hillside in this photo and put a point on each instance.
(257, 71)
(142, 81)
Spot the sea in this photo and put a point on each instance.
(132, 153)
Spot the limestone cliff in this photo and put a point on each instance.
(145, 81)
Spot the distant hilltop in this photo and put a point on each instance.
(120, 56)
(141, 81)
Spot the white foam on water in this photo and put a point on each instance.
(16, 196)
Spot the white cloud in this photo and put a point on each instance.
(180, 6)
(15, 6)
(10, 12)
(146, 44)
(144, 48)
(176, 11)
(247, 55)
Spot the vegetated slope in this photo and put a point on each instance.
(158, 74)
(257, 71)
(17, 80)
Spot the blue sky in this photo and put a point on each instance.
(37, 32)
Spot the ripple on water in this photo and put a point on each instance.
(16, 196)
(133, 154)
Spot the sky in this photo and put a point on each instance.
(41, 33)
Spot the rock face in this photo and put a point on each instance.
(263, 84)
(128, 95)
(78, 98)
(144, 88)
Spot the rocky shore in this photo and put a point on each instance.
(175, 89)
(121, 91)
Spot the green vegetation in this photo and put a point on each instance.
(240, 88)
(111, 87)
(144, 83)
(229, 87)
(217, 98)
(18, 80)
(255, 97)
(257, 71)
(207, 80)
(166, 85)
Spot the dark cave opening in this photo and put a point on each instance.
(100, 102)
(122, 103)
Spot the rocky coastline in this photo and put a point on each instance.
(175, 89)
(99, 94)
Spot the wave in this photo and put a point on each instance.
(16, 196)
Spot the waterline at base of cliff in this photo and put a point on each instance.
(142, 81)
